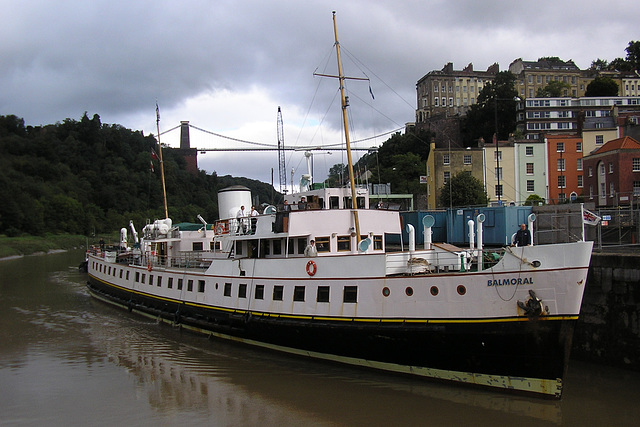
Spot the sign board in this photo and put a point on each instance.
(423, 179)
(606, 217)
(605, 222)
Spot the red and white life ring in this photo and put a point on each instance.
(220, 228)
(312, 268)
(149, 266)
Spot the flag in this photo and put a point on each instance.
(151, 165)
(154, 156)
(157, 112)
(371, 92)
(590, 218)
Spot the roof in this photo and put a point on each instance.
(624, 143)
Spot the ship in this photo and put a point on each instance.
(320, 276)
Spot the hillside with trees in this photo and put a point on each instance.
(86, 177)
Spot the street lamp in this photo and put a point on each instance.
(495, 109)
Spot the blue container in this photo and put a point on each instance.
(499, 225)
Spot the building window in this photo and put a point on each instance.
(599, 139)
(323, 294)
(435, 101)
(610, 167)
(529, 168)
(579, 162)
(499, 190)
(530, 186)
(467, 159)
(447, 176)
(560, 164)
(497, 155)
(636, 165)
(611, 189)
(227, 289)
(445, 159)
(636, 188)
(560, 147)
(298, 293)
(579, 147)
(580, 181)
(602, 169)
(562, 197)
(528, 151)
(350, 294)
(278, 290)
(590, 171)
(561, 181)
(498, 172)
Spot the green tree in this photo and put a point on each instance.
(463, 189)
(599, 64)
(602, 86)
(480, 121)
(338, 175)
(534, 200)
(554, 89)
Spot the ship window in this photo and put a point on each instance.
(242, 290)
(109, 273)
(302, 243)
(200, 285)
(227, 289)
(291, 246)
(434, 291)
(239, 248)
(197, 246)
(409, 291)
(461, 289)
(344, 243)
(334, 202)
(322, 244)
(377, 243)
(114, 272)
(323, 294)
(350, 294)
(159, 281)
(144, 278)
(170, 283)
(277, 247)
(259, 292)
(298, 293)
(189, 285)
(137, 277)
(121, 273)
(179, 284)
(127, 277)
(277, 292)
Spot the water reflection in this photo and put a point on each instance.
(70, 360)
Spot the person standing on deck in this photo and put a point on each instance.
(310, 250)
(240, 216)
(254, 219)
(523, 236)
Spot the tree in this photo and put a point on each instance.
(534, 200)
(602, 86)
(599, 64)
(480, 119)
(554, 89)
(338, 173)
(633, 54)
(463, 189)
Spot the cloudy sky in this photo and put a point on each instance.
(226, 65)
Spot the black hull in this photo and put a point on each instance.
(494, 353)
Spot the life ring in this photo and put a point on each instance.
(219, 229)
(149, 266)
(312, 268)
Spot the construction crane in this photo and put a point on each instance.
(281, 166)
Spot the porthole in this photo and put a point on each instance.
(409, 291)
(434, 290)
(216, 286)
(462, 290)
(386, 291)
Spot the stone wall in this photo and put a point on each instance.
(608, 331)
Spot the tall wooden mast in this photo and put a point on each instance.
(345, 104)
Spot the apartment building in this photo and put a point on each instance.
(534, 75)
(450, 92)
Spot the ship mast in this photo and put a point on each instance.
(164, 189)
(345, 104)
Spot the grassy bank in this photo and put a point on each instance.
(27, 245)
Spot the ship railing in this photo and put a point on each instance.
(431, 261)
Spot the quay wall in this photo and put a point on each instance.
(608, 331)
